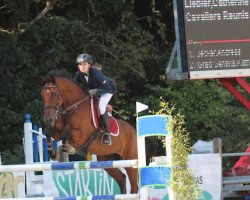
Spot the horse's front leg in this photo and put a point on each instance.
(75, 139)
(63, 150)
(52, 132)
(70, 139)
(66, 133)
(55, 134)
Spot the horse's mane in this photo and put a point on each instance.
(51, 75)
(56, 73)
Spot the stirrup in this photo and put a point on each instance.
(106, 142)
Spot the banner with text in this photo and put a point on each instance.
(12, 184)
(79, 183)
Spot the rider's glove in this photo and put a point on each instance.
(92, 92)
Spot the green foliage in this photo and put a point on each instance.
(183, 183)
(16, 156)
(210, 111)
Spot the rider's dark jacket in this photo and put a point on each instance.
(96, 80)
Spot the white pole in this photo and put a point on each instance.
(40, 145)
(141, 149)
(141, 152)
(28, 140)
(141, 161)
(140, 139)
(28, 151)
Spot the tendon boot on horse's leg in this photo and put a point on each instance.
(63, 152)
(106, 139)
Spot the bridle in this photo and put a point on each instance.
(60, 111)
(57, 94)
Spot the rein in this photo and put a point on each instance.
(60, 111)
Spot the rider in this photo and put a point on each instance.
(97, 84)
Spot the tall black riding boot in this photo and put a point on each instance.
(106, 139)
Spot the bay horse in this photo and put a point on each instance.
(67, 115)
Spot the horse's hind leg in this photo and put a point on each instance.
(133, 176)
(119, 177)
(115, 173)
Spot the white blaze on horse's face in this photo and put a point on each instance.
(50, 96)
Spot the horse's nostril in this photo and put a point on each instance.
(51, 122)
(48, 121)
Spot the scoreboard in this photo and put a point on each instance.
(214, 37)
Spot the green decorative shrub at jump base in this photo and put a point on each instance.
(183, 184)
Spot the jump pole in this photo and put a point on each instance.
(99, 197)
(69, 166)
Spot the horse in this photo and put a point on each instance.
(67, 115)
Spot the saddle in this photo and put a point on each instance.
(114, 128)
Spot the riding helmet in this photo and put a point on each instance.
(84, 58)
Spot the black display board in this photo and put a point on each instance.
(214, 37)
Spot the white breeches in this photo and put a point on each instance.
(103, 102)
